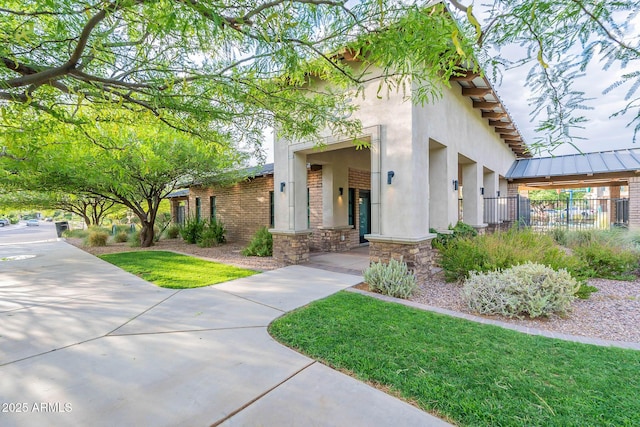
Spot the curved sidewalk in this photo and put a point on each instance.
(84, 343)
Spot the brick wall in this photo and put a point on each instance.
(634, 203)
(242, 207)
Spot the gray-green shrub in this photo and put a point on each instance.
(527, 289)
(393, 279)
(172, 232)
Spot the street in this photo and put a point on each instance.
(20, 233)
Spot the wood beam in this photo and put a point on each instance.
(508, 137)
(486, 105)
(507, 130)
(476, 91)
(501, 124)
(493, 115)
(467, 77)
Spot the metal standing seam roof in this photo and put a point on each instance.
(576, 164)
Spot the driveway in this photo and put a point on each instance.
(84, 343)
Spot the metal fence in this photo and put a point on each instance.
(545, 214)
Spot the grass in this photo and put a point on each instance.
(469, 373)
(171, 270)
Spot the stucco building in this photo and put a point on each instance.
(422, 159)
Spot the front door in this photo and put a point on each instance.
(364, 205)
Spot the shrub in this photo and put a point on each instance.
(172, 232)
(608, 261)
(585, 291)
(134, 239)
(393, 279)
(459, 231)
(212, 234)
(121, 237)
(460, 256)
(191, 230)
(97, 238)
(528, 289)
(79, 233)
(261, 244)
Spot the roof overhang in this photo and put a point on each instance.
(477, 88)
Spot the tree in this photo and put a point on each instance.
(134, 166)
(92, 209)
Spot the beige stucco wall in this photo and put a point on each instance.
(401, 134)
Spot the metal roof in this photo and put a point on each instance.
(627, 160)
(183, 192)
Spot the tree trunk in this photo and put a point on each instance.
(87, 220)
(146, 234)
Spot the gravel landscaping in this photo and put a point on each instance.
(612, 313)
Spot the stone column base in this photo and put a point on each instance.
(417, 253)
(336, 239)
(291, 247)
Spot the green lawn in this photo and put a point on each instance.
(171, 270)
(472, 374)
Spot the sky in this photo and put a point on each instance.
(601, 133)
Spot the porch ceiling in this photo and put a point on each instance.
(484, 98)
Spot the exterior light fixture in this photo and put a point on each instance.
(390, 176)
(455, 184)
(282, 185)
(482, 191)
(498, 193)
(341, 190)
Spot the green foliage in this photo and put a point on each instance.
(134, 239)
(459, 231)
(261, 244)
(121, 237)
(192, 229)
(502, 250)
(171, 270)
(393, 279)
(527, 289)
(97, 238)
(172, 232)
(585, 291)
(77, 233)
(608, 261)
(471, 374)
(212, 234)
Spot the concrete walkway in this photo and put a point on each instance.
(83, 343)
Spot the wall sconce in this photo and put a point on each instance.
(498, 193)
(341, 190)
(455, 185)
(390, 176)
(482, 191)
(282, 185)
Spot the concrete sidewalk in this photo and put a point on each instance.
(83, 343)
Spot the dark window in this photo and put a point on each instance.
(271, 210)
(352, 205)
(198, 208)
(212, 203)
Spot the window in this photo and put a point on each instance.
(271, 210)
(352, 205)
(198, 208)
(212, 204)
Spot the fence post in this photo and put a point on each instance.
(518, 211)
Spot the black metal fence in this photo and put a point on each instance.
(503, 212)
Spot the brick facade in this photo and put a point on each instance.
(634, 203)
(291, 248)
(243, 207)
